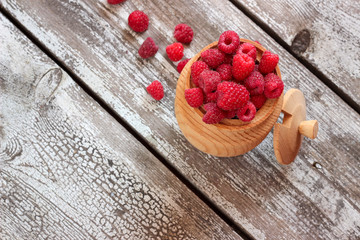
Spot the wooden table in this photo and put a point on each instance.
(86, 153)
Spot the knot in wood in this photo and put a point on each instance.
(301, 41)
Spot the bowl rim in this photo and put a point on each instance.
(264, 112)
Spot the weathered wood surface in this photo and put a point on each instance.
(325, 33)
(268, 200)
(65, 172)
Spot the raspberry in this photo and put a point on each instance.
(231, 95)
(258, 100)
(247, 112)
(183, 33)
(211, 97)
(156, 90)
(182, 64)
(228, 59)
(228, 42)
(148, 48)
(258, 42)
(248, 49)
(225, 71)
(138, 21)
(213, 57)
(115, 1)
(213, 114)
(194, 97)
(230, 114)
(268, 62)
(196, 69)
(254, 83)
(274, 86)
(175, 51)
(243, 65)
(208, 80)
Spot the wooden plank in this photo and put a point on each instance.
(269, 201)
(325, 33)
(65, 172)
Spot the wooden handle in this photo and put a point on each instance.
(309, 128)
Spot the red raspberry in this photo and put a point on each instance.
(225, 71)
(230, 114)
(211, 97)
(175, 51)
(183, 33)
(274, 86)
(231, 95)
(156, 90)
(258, 100)
(182, 64)
(209, 80)
(228, 59)
(228, 42)
(243, 65)
(258, 42)
(115, 1)
(254, 83)
(148, 48)
(268, 62)
(247, 48)
(194, 97)
(196, 69)
(247, 112)
(138, 21)
(213, 114)
(213, 57)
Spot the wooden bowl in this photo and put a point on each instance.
(230, 137)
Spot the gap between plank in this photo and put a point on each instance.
(238, 229)
(321, 76)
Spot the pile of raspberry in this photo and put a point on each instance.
(230, 82)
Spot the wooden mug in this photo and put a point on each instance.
(230, 137)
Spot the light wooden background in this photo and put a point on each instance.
(51, 182)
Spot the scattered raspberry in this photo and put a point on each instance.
(231, 95)
(213, 114)
(225, 71)
(228, 42)
(115, 1)
(230, 114)
(228, 59)
(248, 49)
(208, 80)
(268, 62)
(254, 83)
(211, 97)
(138, 21)
(247, 112)
(175, 51)
(196, 69)
(194, 97)
(243, 65)
(183, 33)
(148, 48)
(213, 57)
(258, 100)
(274, 86)
(156, 90)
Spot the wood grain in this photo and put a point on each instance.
(270, 201)
(325, 33)
(65, 172)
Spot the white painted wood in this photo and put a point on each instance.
(68, 170)
(267, 200)
(334, 28)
